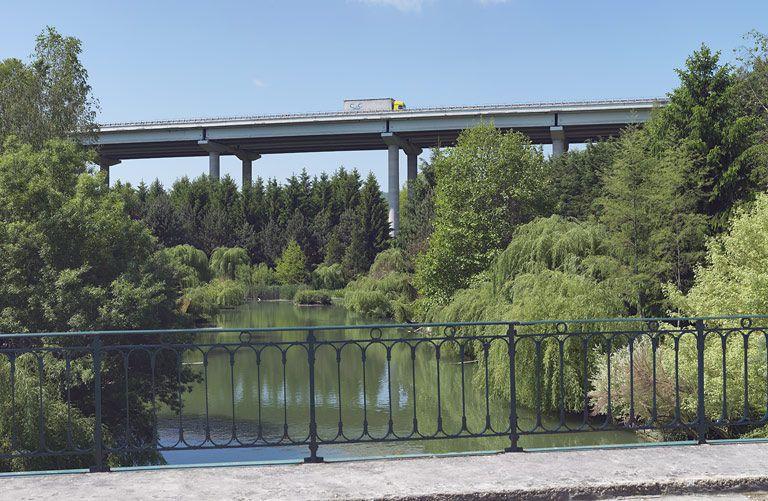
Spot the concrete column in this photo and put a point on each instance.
(247, 172)
(559, 142)
(214, 164)
(105, 164)
(412, 167)
(247, 157)
(394, 188)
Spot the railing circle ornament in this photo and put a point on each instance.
(653, 325)
(375, 333)
(245, 337)
(449, 331)
(746, 323)
(561, 327)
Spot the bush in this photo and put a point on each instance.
(384, 297)
(191, 262)
(369, 303)
(330, 277)
(225, 260)
(308, 296)
(273, 292)
(255, 278)
(206, 300)
(388, 261)
(687, 370)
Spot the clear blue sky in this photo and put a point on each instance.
(175, 59)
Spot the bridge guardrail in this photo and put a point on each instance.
(121, 396)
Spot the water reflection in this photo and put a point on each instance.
(253, 396)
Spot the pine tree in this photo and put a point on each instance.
(703, 118)
(291, 268)
(373, 213)
(649, 209)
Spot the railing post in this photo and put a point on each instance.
(513, 436)
(313, 457)
(701, 416)
(98, 441)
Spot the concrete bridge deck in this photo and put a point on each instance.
(722, 471)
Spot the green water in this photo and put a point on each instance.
(261, 393)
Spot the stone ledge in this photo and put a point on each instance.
(564, 474)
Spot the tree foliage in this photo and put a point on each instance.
(291, 268)
(705, 119)
(50, 96)
(226, 260)
(487, 185)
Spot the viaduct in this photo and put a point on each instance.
(409, 130)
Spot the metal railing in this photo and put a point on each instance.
(126, 397)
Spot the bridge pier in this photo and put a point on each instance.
(559, 141)
(393, 187)
(214, 150)
(412, 169)
(394, 145)
(247, 158)
(104, 165)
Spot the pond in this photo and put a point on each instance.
(267, 385)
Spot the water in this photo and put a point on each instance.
(285, 399)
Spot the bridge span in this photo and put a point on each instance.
(411, 130)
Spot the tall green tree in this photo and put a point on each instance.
(373, 214)
(291, 268)
(50, 96)
(575, 179)
(417, 217)
(74, 259)
(650, 210)
(487, 185)
(703, 118)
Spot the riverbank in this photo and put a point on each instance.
(563, 474)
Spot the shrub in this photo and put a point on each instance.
(255, 278)
(385, 297)
(225, 260)
(330, 277)
(263, 275)
(687, 370)
(206, 300)
(388, 261)
(369, 303)
(192, 263)
(308, 296)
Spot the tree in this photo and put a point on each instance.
(734, 277)
(373, 213)
(191, 262)
(649, 208)
(487, 185)
(225, 260)
(576, 179)
(417, 218)
(73, 259)
(163, 219)
(703, 118)
(291, 268)
(50, 96)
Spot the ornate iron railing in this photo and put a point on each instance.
(117, 397)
